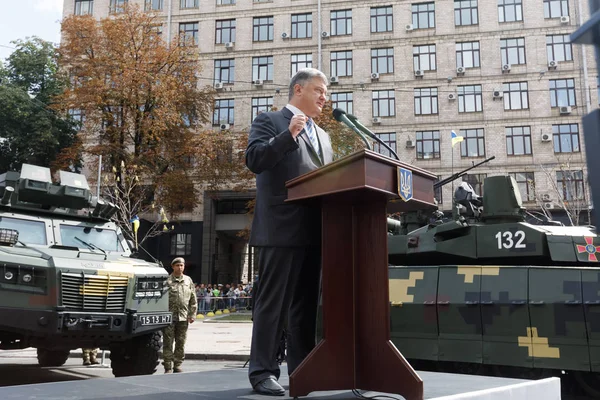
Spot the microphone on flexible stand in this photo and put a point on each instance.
(340, 116)
(353, 122)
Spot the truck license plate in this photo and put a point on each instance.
(155, 319)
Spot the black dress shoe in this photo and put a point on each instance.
(269, 387)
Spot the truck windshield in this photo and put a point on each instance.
(106, 239)
(30, 232)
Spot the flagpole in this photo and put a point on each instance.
(452, 193)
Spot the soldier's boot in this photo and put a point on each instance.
(86, 360)
(178, 369)
(94, 360)
(168, 367)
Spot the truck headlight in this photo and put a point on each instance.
(150, 287)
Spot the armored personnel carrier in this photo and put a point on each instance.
(68, 279)
(487, 292)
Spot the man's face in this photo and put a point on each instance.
(178, 269)
(311, 98)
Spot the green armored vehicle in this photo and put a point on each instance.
(486, 292)
(68, 280)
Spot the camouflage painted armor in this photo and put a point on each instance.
(183, 304)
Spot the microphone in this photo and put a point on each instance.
(340, 116)
(353, 122)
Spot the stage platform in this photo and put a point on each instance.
(228, 384)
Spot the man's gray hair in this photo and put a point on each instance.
(304, 76)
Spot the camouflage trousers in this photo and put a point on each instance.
(176, 334)
(89, 354)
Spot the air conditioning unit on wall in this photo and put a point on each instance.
(546, 137)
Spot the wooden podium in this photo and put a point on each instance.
(356, 351)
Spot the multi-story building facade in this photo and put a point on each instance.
(502, 74)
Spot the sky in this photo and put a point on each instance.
(23, 18)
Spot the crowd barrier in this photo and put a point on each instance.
(214, 304)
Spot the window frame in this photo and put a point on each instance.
(344, 19)
(433, 141)
(220, 30)
(220, 68)
(390, 99)
(186, 243)
(513, 92)
(389, 138)
(564, 4)
(260, 65)
(507, 53)
(346, 103)
(464, 96)
(295, 64)
(429, 11)
(558, 93)
(297, 25)
(345, 57)
(461, 10)
(387, 12)
(229, 108)
(528, 184)
(472, 51)
(78, 7)
(422, 53)
(195, 33)
(257, 106)
(566, 183)
(378, 59)
(474, 137)
(423, 96)
(568, 138)
(524, 137)
(257, 27)
(567, 48)
(503, 5)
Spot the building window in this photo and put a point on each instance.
(382, 60)
(476, 181)
(225, 31)
(467, 55)
(424, 57)
(154, 5)
(428, 145)
(438, 191)
(510, 10)
(181, 244)
(261, 105)
(117, 6)
(224, 112)
(342, 101)
(188, 33)
(515, 96)
(526, 183)
(232, 207)
(469, 98)
(341, 23)
(562, 92)
(78, 117)
(183, 4)
(224, 70)
(84, 7)
(570, 183)
(518, 140)
(262, 68)
(301, 61)
(474, 144)
(426, 101)
(381, 19)
(341, 63)
(465, 12)
(384, 103)
(556, 8)
(558, 48)
(566, 138)
(301, 26)
(262, 29)
(387, 138)
(423, 15)
(513, 51)
(225, 2)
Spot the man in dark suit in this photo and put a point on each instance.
(287, 236)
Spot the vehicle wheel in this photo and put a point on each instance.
(589, 382)
(138, 356)
(52, 358)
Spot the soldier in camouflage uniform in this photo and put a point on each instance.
(183, 304)
(89, 356)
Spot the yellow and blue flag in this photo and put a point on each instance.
(456, 138)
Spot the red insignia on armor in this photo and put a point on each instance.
(589, 248)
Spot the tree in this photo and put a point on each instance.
(143, 106)
(343, 140)
(568, 189)
(30, 131)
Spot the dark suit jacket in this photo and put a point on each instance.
(276, 157)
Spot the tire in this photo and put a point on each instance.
(52, 358)
(138, 356)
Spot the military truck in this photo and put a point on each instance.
(487, 292)
(68, 279)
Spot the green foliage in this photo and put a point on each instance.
(29, 130)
